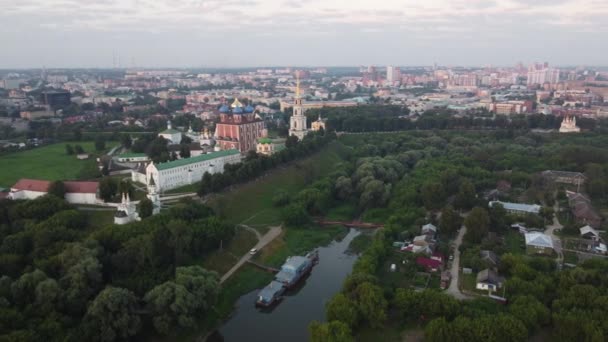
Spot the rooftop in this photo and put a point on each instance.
(132, 155)
(528, 208)
(539, 240)
(192, 160)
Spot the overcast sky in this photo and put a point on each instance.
(235, 33)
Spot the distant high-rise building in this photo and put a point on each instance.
(56, 98)
(541, 74)
(393, 74)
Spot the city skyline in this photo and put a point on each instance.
(249, 33)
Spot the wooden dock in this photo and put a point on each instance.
(263, 267)
(350, 224)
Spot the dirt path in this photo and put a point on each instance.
(557, 242)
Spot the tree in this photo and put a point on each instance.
(145, 208)
(78, 149)
(69, 150)
(111, 316)
(126, 187)
(450, 221)
(179, 302)
(126, 141)
(292, 141)
(477, 223)
(173, 156)
(334, 331)
(206, 186)
(57, 189)
(342, 309)
(295, 215)
(438, 330)
(343, 188)
(100, 143)
(433, 195)
(184, 151)
(465, 199)
(371, 304)
(107, 189)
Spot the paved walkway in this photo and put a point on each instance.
(453, 290)
(557, 242)
(272, 234)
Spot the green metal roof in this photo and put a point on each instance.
(132, 155)
(170, 131)
(192, 160)
(265, 141)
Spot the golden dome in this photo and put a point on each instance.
(236, 103)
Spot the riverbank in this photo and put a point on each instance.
(291, 317)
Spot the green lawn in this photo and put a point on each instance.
(222, 261)
(48, 163)
(252, 202)
(514, 242)
(570, 257)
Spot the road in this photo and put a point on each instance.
(266, 239)
(550, 231)
(453, 290)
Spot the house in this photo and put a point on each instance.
(75, 192)
(81, 192)
(588, 232)
(431, 265)
(520, 228)
(564, 177)
(132, 158)
(438, 256)
(29, 189)
(539, 243)
(582, 210)
(489, 280)
(422, 240)
(417, 249)
(518, 208)
(429, 229)
(503, 186)
(489, 257)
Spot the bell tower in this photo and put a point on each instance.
(297, 123)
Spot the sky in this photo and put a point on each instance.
(248, 33)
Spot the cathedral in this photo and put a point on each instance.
(569, 125)
(238, 128)
(297, 124)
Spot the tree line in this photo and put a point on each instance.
(63, 279)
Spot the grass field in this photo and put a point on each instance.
(515, 243)
(48, 163)
(251, 203)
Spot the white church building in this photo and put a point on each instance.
(172, 135)
(177, 173)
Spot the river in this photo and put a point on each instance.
(289, 320)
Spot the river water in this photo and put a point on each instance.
(289, 319)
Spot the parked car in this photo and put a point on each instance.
(253, 251)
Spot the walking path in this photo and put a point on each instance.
(454, 290)
(272, 234)
(550, 231)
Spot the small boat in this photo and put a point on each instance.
(270, 294)
(295, 268)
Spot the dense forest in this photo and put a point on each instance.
(405, 180)
(63, 280)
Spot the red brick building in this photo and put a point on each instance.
(238, 127)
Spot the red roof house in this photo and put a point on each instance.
(431, 265)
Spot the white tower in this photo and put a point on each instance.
(297, 124)
(153, 196)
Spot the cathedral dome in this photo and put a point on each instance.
(237, 110)
(224, 109)
(249, 109)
